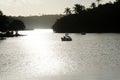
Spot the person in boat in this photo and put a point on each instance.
(66, 35)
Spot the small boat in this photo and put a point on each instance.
(66, 38)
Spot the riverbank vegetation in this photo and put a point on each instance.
(9, 26)
(98, 18)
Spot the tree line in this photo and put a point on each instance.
(10, 26)
(97, 18)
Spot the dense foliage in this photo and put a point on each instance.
(3, 22)
(101, 18)
(9, 25)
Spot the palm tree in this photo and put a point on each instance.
(78, 8)
(98, 1)
(67, 11)
(1, 14)
(93, 5)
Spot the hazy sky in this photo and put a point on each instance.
(35, 7)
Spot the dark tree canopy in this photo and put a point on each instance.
(67, 11)
(103, 18)
(1, 14)
(78, 8)
(93, 5)
(8, 25)
(3, 22)
(17, 25)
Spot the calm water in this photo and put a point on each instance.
(41, 55)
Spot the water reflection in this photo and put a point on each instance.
(43, 59)
(41, 55)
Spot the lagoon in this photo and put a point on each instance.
(41, 55)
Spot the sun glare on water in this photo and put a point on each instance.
(43, 30)
(40, 36)
(42, 58)
(38, 32)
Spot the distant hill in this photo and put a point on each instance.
(44, 22)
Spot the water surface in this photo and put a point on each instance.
(41, 55)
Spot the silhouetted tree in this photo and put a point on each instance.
(93, 5)
(3, 22)
(78, 8)
(1, 14)
(17, 25)
(98, 1)
(67, 11)
(104, 18)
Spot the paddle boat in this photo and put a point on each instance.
(66, 38)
